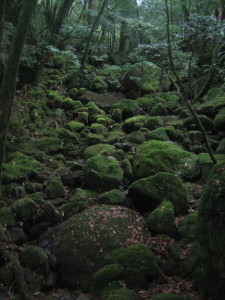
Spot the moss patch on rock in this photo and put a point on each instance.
(158, 156)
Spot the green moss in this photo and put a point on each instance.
(127, 168)
(128, 107)
(107, 274)
(146, 103)
(75, 126)
(48, 144)
(154, 122)
(134, 123)
(24, 208)
(158, 134)
(192, 262)
(149, 192)
(69, 104)
(158, 156)
(162, 296)
(121, 294)
(93, 138)
(112, 197)
(114, 137)
(219, 120)
(55, 189)
(117, 114)
(55, 99)
(143, 76)
(138, 262)
(103, 172)
(211, 222)
(206, 164)
(103, 120)
(221, 147)
(98, 129)
(35, 258)
(7, 217)
(188, 227)
(212, 106)
(7, 276)
(162, 219)
(20, 167)
(98, 84)
(159, 110)
(98, 149)
(37, 92)
(82, 241)
(136, 137)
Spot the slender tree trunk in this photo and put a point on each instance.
(2, 17)
(183, 90)
(9, 78)
(61, 16)
(123, 37)
(94, 26)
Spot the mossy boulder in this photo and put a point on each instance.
(103, 172)
(48, 144)
(221, 147)
(139, 263)
(128, 108)
(75, 126)
(206, 164)
(98, 149)
(158, 134)
(7, 218)
(154, 122)
(146, 103)
(55, 189)
(24, 208)
(211, 220)
(36, 259)
(99, 129)
(159, 156)
(212, 106)
(219, 120)
(112, 197)
(93, 138)
(162, 219)
(19, 168)
(134, 123)
(81, 242)
(120, 294)
(115, 136)
(55, 99)
(143, 77)
(98, 84)
(159, 109)
(148, 193)
(107, 274)
(188, 227)
(69, 104)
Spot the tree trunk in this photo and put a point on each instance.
(61, 16)
(94, 25)
(123, 37)
(2, 17)
(9, 78)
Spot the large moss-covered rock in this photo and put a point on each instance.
(206, 164)
(143, 77)
(36, 259)
(112, 197)
(98, 149)
(81, 242)
(158, 156)
(219, 120)
(55, 189)
(128, 108)
(162, 219)
(211, 222)
(103, 172)
(75, 126)
(188, 227)
(212, 106)
(139, 263)
(20, 168)
(149, 192)
(24, 208)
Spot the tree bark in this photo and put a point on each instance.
(94, 25)
(61, 16)
(9, 78)
(2, 17)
